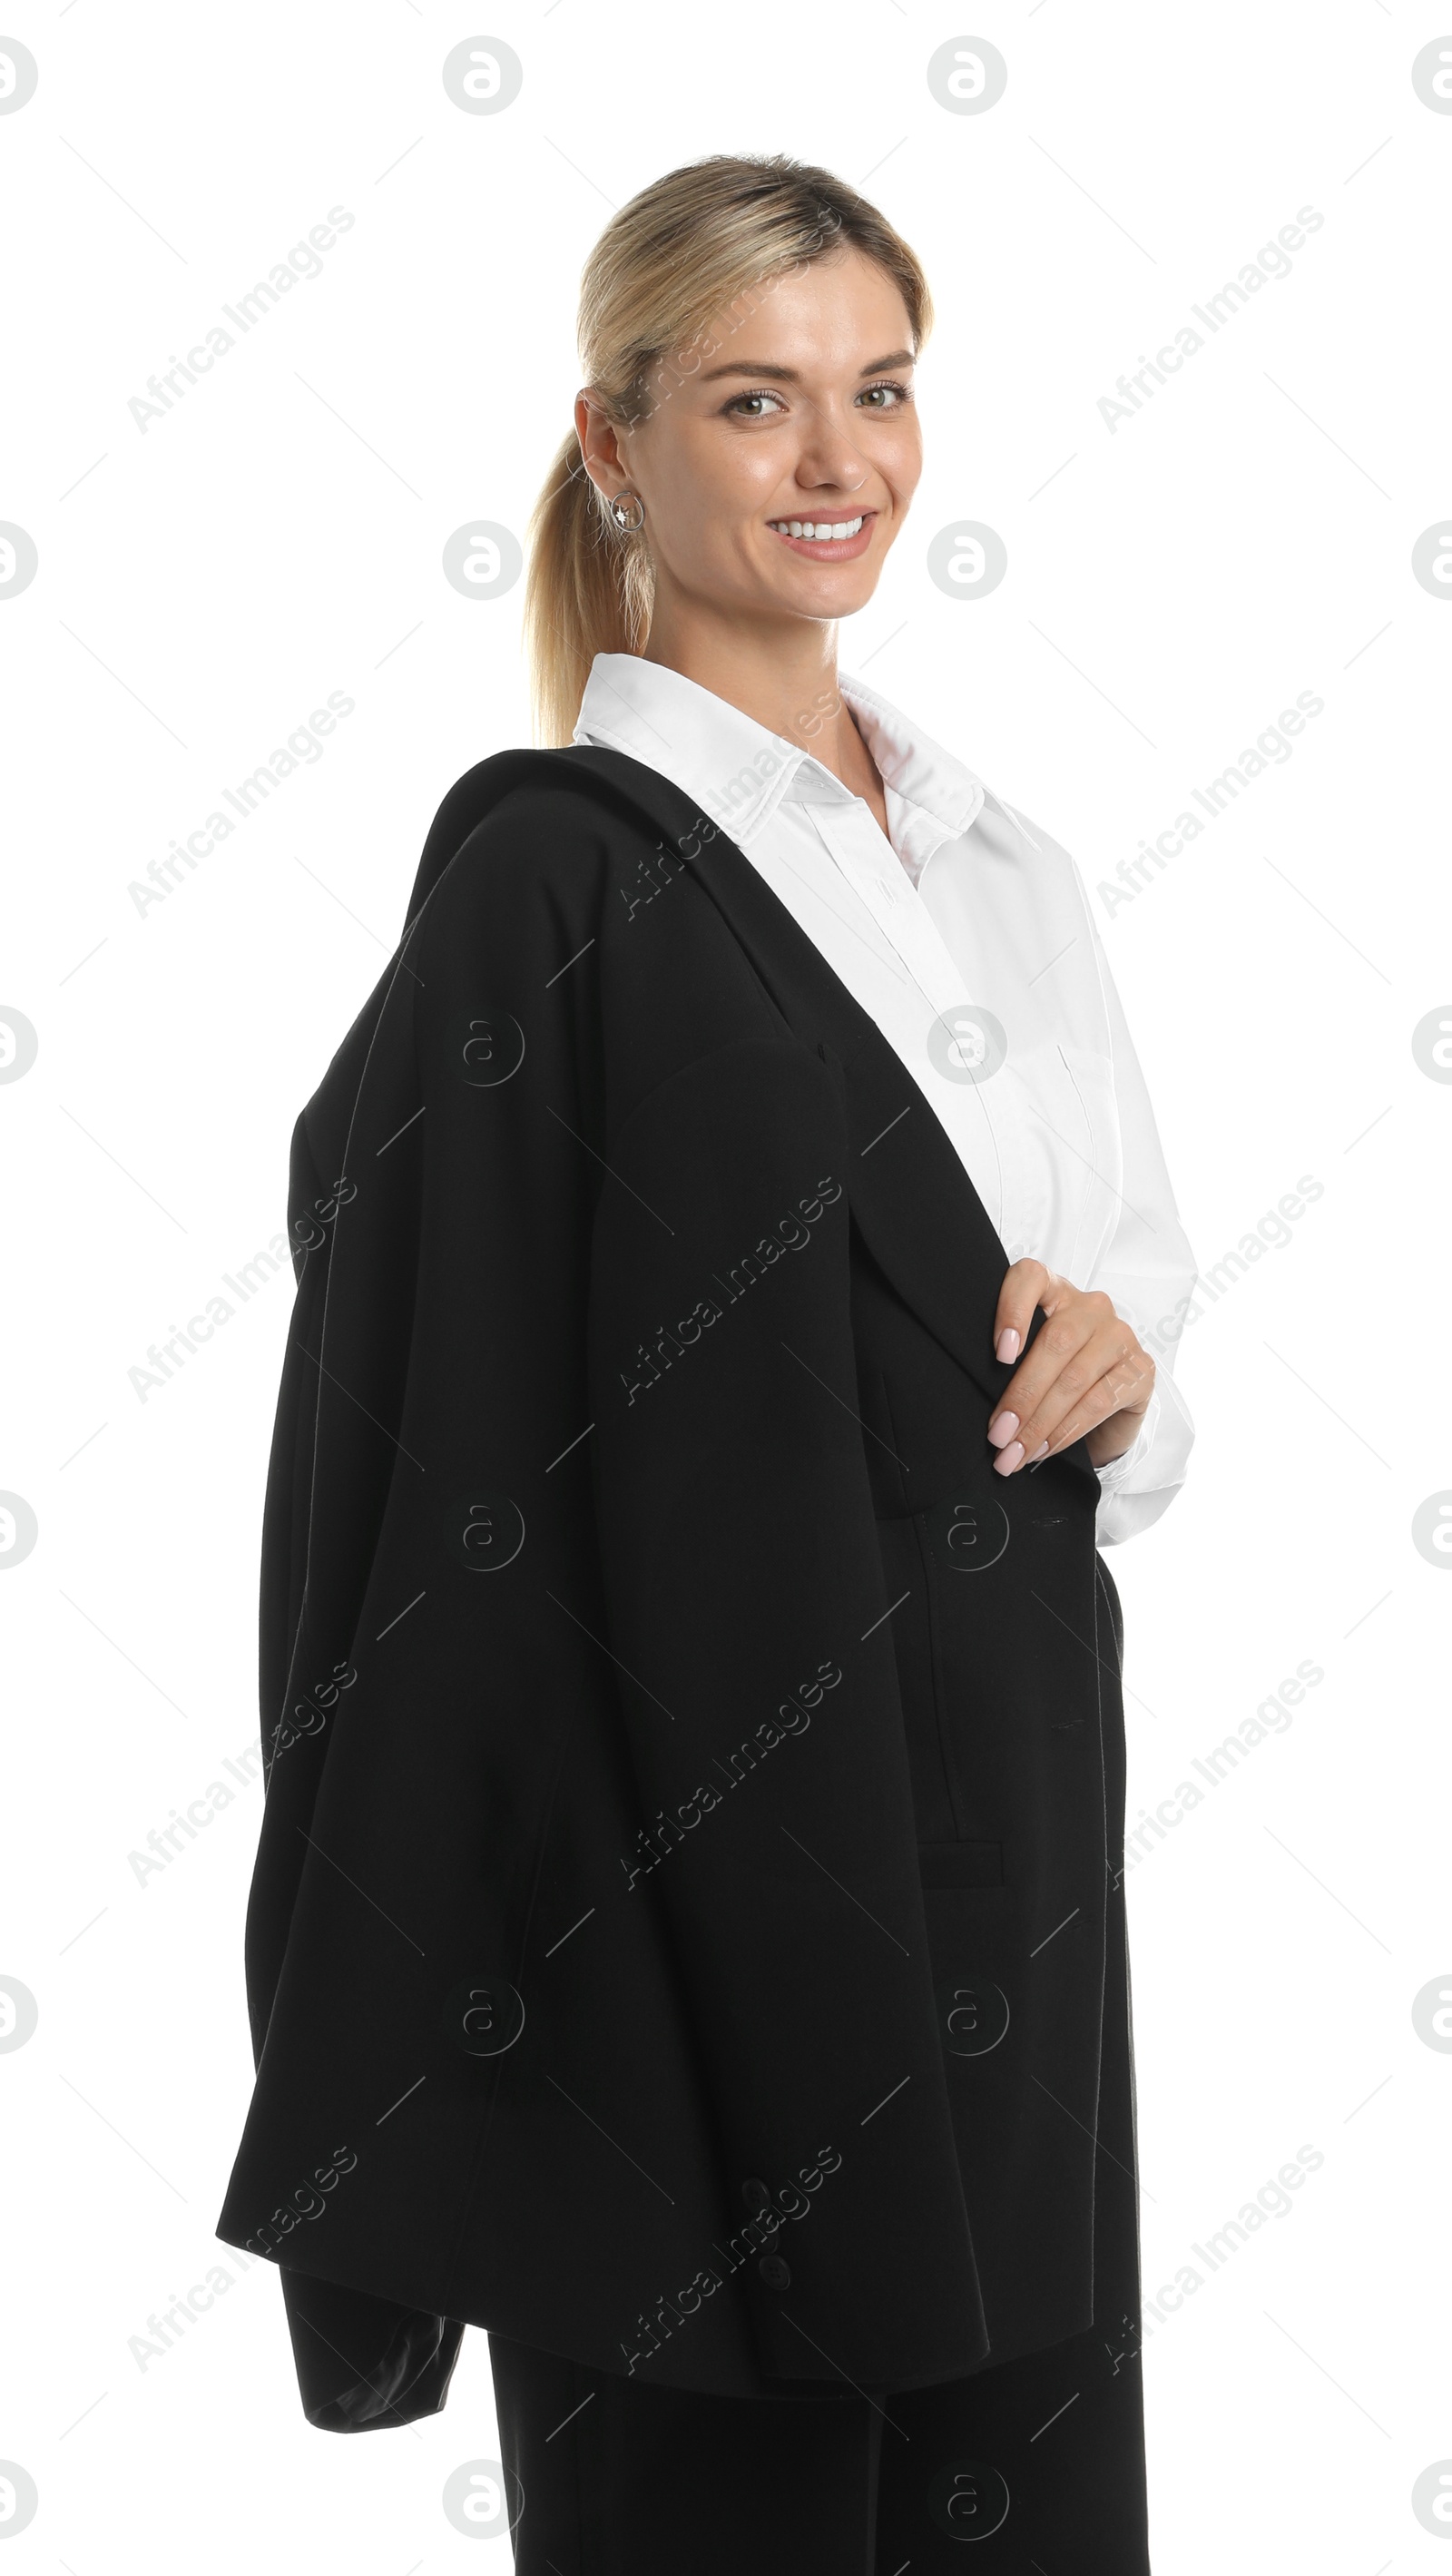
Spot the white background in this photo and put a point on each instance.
(276, 536)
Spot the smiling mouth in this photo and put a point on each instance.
(834, 535)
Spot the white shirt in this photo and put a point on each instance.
(967, 910)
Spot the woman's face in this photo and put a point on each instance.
(798, 408)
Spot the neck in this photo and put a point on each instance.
(783, 677)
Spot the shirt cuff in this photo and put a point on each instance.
(1138, 1487)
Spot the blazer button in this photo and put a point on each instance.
(775, 2273)
(755, 2194)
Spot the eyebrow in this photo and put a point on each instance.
(792, 375)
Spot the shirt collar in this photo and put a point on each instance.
(739, 771)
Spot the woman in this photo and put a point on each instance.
(687, 1936)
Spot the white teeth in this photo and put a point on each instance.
(817, 529)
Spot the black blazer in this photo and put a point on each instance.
(686, 1930)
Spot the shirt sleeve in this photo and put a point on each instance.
(1149, 1271)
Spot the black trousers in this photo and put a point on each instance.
(1040, 2462)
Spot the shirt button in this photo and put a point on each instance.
(775, 2273)
(755, 2194)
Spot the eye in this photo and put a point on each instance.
(889, 385)
(761, 395)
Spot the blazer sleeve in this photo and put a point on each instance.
(439, 1214)
(361, 2362)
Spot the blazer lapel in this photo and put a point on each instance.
(916, 1206)
(914, 1203)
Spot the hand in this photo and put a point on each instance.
(1087, 1376)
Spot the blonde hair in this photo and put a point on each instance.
(694, 244)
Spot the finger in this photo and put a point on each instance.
(1068, 1326)
(1084, 1391)
(1023, 1285)
(1126, 1388)
(1111, 1372)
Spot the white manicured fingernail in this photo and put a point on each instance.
(1007, 1344)
(1009, 1458)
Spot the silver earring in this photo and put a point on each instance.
(620, 511)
